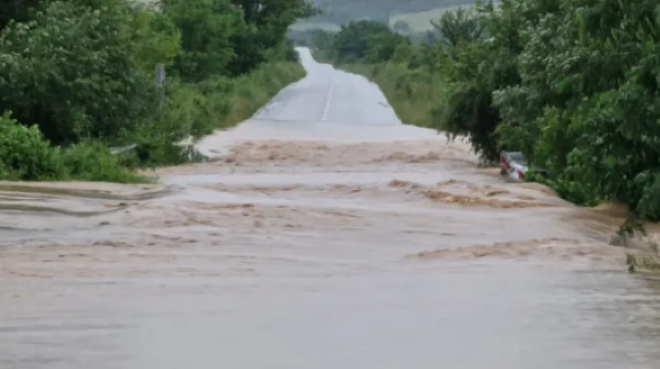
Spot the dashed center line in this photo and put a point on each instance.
(328, 102)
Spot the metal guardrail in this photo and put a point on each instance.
(190, 151)
(122, 149)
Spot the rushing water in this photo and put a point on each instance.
(326, 234)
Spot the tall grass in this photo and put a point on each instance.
(252, 91)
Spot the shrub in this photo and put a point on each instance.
(72, 71)
(95, 162)
(25, 154)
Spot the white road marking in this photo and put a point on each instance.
(328, 102)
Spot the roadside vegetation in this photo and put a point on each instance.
(574, 85)
(79, 76)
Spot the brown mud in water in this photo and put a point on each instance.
(318, 245)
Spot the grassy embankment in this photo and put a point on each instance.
(253, 91)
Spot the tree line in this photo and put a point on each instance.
(344, 11)
(573, 84)
(77, 76)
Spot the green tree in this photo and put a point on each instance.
(401, 26)
(73, 71)
(16, 10)
(588, 101)
(266, 25)
(475, 67)
(352, 41)
(158, 36)
(207, 27)
(457, 26)
(381, 46)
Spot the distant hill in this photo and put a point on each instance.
(343, 11)
(420, 21)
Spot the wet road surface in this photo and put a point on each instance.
(325, 234)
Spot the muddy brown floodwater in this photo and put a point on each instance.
(324, 234)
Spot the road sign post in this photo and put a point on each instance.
(160, 75)
(160, 82)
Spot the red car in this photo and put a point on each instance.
(513, 164)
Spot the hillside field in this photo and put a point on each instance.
(421, 21)
(418, 21)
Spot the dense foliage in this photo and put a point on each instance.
(81, 75)
(574, 84)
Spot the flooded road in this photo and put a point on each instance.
(324, 234)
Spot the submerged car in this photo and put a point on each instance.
(513, 164)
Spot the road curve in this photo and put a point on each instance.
(326, 234)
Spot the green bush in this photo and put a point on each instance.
(95, 162)
(358, 42)
(25, 154)
(72, 71)
(207, 27)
